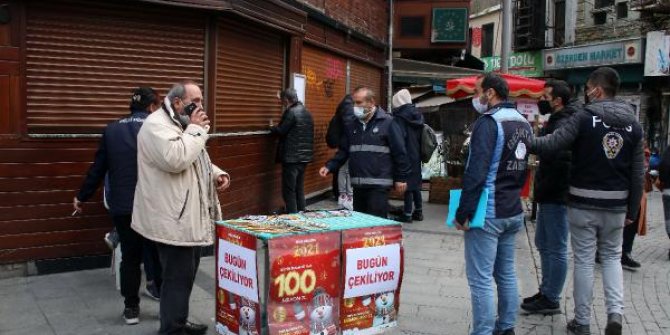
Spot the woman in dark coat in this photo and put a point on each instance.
(410, 121)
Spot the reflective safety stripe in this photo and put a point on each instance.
(596, 194)
(369, 148)
(372, 181)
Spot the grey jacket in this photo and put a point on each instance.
(607, 169)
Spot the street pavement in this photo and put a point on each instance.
(435, 298)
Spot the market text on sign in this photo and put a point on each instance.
(371, 278)
(372, 262)
(234, 276)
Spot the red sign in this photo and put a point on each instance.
(477, 37)
(304, 294)
(235, 314)
(379, 310)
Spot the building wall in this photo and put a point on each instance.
(369, 17)
(478, 20)
(423, 8)
(587, 31)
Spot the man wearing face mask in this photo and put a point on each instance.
(374, 146)
(551, 193)
(176, 200)
(497, 162)
(606, 180)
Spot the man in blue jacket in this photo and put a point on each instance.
(117, 158)
(374, 146)
(497, 162)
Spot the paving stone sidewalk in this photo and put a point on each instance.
(434, 296)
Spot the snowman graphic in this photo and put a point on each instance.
(321, 314)
(385, 312)
(248, 318)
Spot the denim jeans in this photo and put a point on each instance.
(293, 192)
(489, 256)
(666, 212)
(592, 230)
(551, 240)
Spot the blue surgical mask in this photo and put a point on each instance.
(359, 112)
(478, 106)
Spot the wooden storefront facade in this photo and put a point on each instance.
(67, 68)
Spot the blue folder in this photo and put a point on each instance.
(480, 213)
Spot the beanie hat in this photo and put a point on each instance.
(402, 98)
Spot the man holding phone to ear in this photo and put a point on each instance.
(176, 199)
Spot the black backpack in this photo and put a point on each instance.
(428, 143)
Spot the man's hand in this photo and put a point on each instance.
(78, 208)
(200, 118)
(400, 187)
(464, 227)
(628, 222)
(323, 172)
(222, 182)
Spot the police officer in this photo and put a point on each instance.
(374, 146)
(605, 189)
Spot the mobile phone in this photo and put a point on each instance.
(188, 110)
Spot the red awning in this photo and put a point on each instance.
(519, 87)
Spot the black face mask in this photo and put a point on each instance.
(545, 107)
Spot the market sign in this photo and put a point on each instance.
(657, 59)
(449, 25)
(620, 52)
(527, 64)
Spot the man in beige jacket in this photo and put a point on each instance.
(176, 198)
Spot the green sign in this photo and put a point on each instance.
(527, 64)
(450, 25)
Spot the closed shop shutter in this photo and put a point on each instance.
(250, 72)
(83, 59)
(362, 74)
(326, 82)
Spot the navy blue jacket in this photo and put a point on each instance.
(376, 152)
(498, 160)
(116, 156)
(410, 122)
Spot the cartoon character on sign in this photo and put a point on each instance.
(321, 314)
(384, 309)
(248, 318)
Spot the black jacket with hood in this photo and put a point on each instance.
(607, 170)
(410, 123)
(343, 113)
(296, 131)
(553, 174)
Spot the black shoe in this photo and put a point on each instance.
(191, 328)
(613, 324)
(404, 218)
(578, 329)
(542, 306)
(417, 216)
(506, 332)
(152, 291)
(131, 315)
(538, 295)
(629, 263)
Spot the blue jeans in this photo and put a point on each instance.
(551, 240)
(489, 255)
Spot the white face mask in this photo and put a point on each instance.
(360, 112)
(479, 107)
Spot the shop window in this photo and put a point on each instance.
(411, 26)
(621, 10)
(559, 22)
(600, 18)
(487, 40)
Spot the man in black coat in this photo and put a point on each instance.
(410, 123)
(296, 149)
(551, 194)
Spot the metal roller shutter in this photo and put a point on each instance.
(83, 58)
(366, 75)
(250, 72)
(326, 82)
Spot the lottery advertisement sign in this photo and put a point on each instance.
(304, 293)
(373, 273)
(237, 303)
